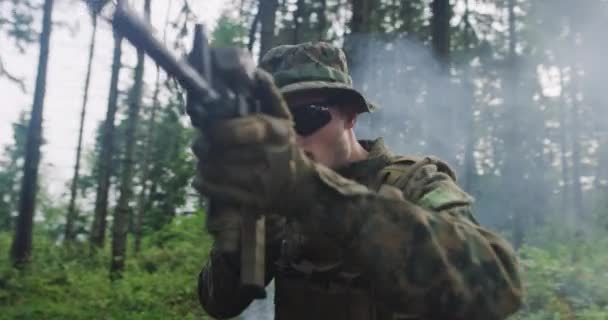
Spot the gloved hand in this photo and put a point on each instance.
(253, 164)
(252, 161)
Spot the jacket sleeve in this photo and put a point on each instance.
(219, 285)
(422, 251)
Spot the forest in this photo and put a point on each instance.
(508, 92)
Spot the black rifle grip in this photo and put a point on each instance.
(253, 254)
(228, 225)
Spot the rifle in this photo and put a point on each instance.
(218, 82)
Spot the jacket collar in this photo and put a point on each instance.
(364, 171)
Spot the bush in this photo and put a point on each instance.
(563, 279)
(68, 283)
(566, 281)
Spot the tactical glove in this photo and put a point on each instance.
(253, 161)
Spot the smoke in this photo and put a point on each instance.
(527, 137)
(402, 77)
(419, 106)
(536, 125)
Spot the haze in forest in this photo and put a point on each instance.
(509, 93)
(555, 112)
(66, 73)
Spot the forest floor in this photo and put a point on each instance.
(564, 280)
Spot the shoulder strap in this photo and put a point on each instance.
(400, 168)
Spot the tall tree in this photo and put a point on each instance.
(22, 241)
(563, 139)
(253, 31)
(297, 20)
(469, 157)
(322, 17)
(359, 26)
(143, 198)
(98, 229)
(440, 31)
(512, 137)
(119, 227)
(440, 104)
(72, 214)
(268, 11)
(575, 121)
(171, 167)
(359, 22)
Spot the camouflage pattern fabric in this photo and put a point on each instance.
(415, 255)
(309, 67)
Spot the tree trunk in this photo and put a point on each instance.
(143, 199)
(440, 104)
(601, 171)
(22, 242)
(268, 9)
(359, 26)
(563, 133)
(513, 139)
(322, 16)
(469, 149)
(98, 230)
(252, 31)
(577, 191)
(119, 227)
(70, 233)
(359, 22)
(296, 21)
(440, 31)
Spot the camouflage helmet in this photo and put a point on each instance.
(313, 67)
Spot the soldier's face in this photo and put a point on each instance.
(328, 144)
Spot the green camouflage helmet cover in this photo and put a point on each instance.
(313, 67)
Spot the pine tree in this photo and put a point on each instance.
(267, 9)
(121, 214)
(72, 214)
(144, 195)
(98, 229)
(22, 242)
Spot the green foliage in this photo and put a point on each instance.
(10, 172)
(16, 21)
(229, 32)
(16, 25)
(67, 283)
(565, 280)
(172, 168)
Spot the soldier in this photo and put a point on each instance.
(356, 232)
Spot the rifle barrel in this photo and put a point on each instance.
(139, 33)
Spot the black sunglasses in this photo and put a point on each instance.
(310, 118)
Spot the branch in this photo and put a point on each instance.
(253, 30)
(19, 81)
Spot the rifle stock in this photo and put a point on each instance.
(218, 82)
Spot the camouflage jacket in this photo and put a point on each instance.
(415, 252)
